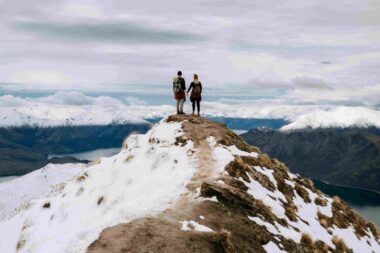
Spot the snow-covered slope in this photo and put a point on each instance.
(168, 190)
(339, 117)
(37, 184)
(141, 180)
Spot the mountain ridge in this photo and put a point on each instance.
(201, 183)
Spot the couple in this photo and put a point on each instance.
(179, 88)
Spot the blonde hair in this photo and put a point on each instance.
(196, 78)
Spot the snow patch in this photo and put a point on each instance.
(211, 141)
(235, 151)
(222, 156)
(271, 247)
(271, 199)
(213, 199)
(193, 225)
(268, 173)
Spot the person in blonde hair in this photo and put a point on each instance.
(196, 93)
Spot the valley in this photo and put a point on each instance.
(24, 149)
(349, 157)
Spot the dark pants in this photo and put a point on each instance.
(198, 102)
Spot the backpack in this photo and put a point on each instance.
(197, 89)
(177, 84)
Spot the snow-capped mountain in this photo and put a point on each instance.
(74, 108)
(339, 117)
(44, 182)
(187, 185)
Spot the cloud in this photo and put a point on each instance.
(66, 98)
(62, 108)
(311, 83)
(75, 108)
(120, 32)
(38, 76)
(238, 47)
(135, 101)
(364, 96)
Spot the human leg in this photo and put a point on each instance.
(177, 105)
(182, 101)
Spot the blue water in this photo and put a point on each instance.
(4, 179)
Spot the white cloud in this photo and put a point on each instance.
(62, 108)
(39, 76)
(135, 101)
(83, 10)
(365, 95)
(76, 45)
(74, 108)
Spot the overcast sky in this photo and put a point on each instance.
(317, 50)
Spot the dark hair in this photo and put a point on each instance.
(179, 73)
(195, 76)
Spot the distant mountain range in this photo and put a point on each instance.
(343, 156)
(24, 149)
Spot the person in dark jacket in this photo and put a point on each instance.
(196, 93)
(179, 88)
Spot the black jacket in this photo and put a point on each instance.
(183, 84)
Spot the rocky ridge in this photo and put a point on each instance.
(240, 200)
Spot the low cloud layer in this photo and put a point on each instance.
(74, 108)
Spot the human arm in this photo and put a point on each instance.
(191, 86)
(183, 84)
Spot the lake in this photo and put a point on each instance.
(4, 179)
(366, 202)
(90, 155)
